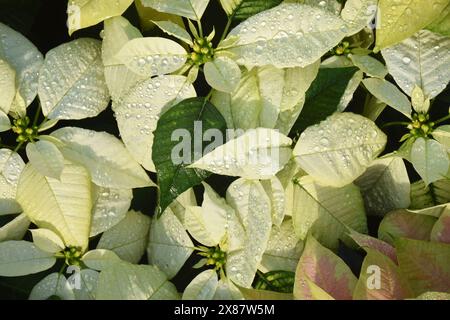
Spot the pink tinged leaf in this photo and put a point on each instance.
(404, 224)
(325, 270)
(381, 279)
(368, 242)
(425, 264)
(441, 229)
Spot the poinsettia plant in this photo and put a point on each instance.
(275, 143)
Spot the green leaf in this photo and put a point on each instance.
(404, 224)
(430, 159)
(7, 86)
(104, 156)
(63, 206)
(83, 92)
(253, 210)
(19, 258)
(283, 249)
(400, 19)
(138, 110)
(26, 60)
(388, 93)
(86, 13)
(329, 212)
(324, 269)
(434, 194)
(128, 239)
(424, 264)
(385, 186)
(174, 179)
(152, 56)
(254, 294)
(169, 244)
(278, 281)
(298, 42)
(100, 259)
(202, 287)
(192, 9)
(109, 207)
(222, 74)
(339, 149)
(47, 240)
(324, 96)
(241, 10)
(125, 281)
(15, 229)
(391, 285)
(257, 154)
(11, 166)
(54, 284)
(369, 65)
(420, 60)
(45, 157)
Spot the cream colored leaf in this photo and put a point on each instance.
(222, 74)
(63, 206)
(72, 82)
(286, 36)
(339, 149)
(45, 157)
(104, 156)
(47, 240)
(128, 239)
(257, 154)
(138, 110)
(85, 13)
(11, 166)
(421, 60)
(20, 258)
(169, 245)
(192, 9)
(152, 56)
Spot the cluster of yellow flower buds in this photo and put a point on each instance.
(420, 125)
(214, 257)
(203, 51)
(24, 131)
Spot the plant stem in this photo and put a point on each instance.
(200, 29)
(36, 116)
(396, 123)
(225, 31)
(442, 119)
(18, 147)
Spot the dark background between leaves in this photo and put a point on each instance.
(43, 22)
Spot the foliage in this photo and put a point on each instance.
(267, 142)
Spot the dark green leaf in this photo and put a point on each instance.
(323, 97)
(248, 8)
(174, 179)
(278, 281)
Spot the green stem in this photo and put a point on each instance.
(18, 147)
(396, 123)
(200, 29)
(227, 27)
(36, 116)
(442, 119)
